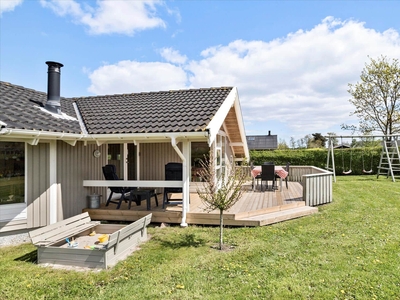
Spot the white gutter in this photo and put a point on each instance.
(141, 137)
(173, 143)
(23, 133)
(98, 138)
(185, 194)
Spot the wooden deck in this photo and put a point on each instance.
(255, 208)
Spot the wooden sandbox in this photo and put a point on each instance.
(84, 248)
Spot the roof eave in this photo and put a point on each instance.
(218, 119)
(33, 136)
(148, 137)
(215, 124)
(242, 131)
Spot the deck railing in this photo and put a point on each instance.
(316, 182)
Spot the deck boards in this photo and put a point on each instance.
(250, 210)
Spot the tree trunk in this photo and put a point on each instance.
(221, 228)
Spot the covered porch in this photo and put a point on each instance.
(308, 187)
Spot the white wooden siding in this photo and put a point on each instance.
(37, 178)
(75, 164)
(154, 157)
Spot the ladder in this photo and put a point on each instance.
(389, 162)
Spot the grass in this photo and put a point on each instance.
(349, 250)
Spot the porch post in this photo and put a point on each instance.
(186, 174)
(185, 179)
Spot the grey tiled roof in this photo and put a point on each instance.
(20, 109)
(154, 112)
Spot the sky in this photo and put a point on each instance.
(291, 61)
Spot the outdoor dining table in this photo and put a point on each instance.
(280, 171)
(143, 194)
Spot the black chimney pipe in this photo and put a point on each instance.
(53, 87)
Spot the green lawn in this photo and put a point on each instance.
(349, 250)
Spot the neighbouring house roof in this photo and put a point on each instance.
(153, 112)
(341, 146)
(20, 108)
(262, 142)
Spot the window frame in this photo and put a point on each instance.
(16, 211)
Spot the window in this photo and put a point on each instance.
(220, 156)
(12, 173)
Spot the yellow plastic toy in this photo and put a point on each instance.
(103, 238)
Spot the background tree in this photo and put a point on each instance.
(282, 145)
(317, 141)
(376, 97)
(304, 142)
(292, 143)
(223, 191)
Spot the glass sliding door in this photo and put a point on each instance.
(116, 157)
(199, 150)
(12, 173)
(132, 162)
(124, 157)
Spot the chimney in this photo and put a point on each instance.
(269, 132)
(53, 87)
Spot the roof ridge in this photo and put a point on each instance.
(151, 92)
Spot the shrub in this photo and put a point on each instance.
(318, 157)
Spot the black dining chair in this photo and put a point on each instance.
(287, 170)
(109, 172)
(258, 177)
(268, 174)
(286, 179)
(173, 171)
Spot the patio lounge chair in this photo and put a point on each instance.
(173, 171)
(109, 172)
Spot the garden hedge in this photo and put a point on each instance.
(317, 157)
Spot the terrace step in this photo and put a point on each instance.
(282, 215)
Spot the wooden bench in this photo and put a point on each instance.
(122, 241)
(59, 231)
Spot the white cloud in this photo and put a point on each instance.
(132, 76)
(124, 17)
(173, 56)
(9, 5)
(300, 80)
